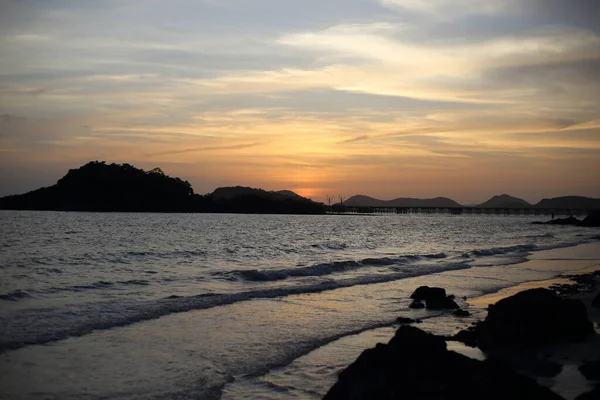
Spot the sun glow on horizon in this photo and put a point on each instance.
(387, 98)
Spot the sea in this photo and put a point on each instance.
(228, 306)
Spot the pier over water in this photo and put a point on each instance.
(525, 211)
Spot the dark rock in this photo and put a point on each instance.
(547, 368)
(445, 303)
(592, 220)
(591, 370)
(591, 395)
(425, 293)
(468, 336)
(532, 318)
(461, 313)
(565, 288)
(435, 298)
(416, 304)
(417, 365)
(596, 301)
(174, 296)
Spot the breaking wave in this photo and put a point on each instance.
(521, 248)
(14, 296)
(268, 275)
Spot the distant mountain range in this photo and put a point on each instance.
(499, 201)
(366, 201)
(98, 186)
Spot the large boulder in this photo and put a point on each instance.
(596, 301)
(592, 220)
(591, 395)
(530, 319)
(417, 365)
(591, 370)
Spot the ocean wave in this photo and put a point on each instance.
(493, 251)
(48, 325)
(168, 254)
(14, 296)
(543, 236)
(269, 275)
(97, 285)
(330, 246)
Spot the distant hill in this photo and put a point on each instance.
(229, 192)
(366, 201)
(289, 193)
(505, 201)
(98, 186)
(241, 199)
(572, 202)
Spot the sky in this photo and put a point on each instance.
(389, 98)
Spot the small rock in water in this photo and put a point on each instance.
(592, 220)
(434, 297)
(445, 303)
(461, 313)
(426, 293)
(416, 304)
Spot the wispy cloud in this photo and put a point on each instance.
(442, 93)
(207, 148)
(356, 139)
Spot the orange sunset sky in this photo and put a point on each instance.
(390, 98)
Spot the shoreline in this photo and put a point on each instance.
(349, 347)
(563, 279)
(567, 357)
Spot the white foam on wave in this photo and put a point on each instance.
(255, 275)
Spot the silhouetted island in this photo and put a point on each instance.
(98, 186)
(505, 201)
(366, 201)
(576, 202)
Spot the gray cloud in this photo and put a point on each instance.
(207, 148)
(356, 139)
